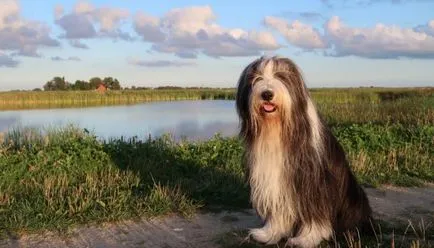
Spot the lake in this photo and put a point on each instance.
(195, 120)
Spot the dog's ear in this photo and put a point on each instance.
(241, 101)
(244, 87)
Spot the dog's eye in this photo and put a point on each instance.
(255, 80)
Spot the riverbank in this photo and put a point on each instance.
(69, 177)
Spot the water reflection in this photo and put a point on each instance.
(190, 119)
(7, 121)
(193, 131)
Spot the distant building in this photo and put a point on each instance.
(101, 88)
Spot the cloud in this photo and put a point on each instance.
(7, 61)
(21, 37)
(159, 63)
(339, 40)
(58, 11)
(327, 3)
(297, 33)
(368, 2)
(78, 44)
(73, 58)
(427, 28)
(333, 3)
(304, 15)
(88, 22)
(148, 27)
(380, 41)
(188, 31)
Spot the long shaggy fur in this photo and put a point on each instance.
(301, 184)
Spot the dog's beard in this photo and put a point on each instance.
(267, 157)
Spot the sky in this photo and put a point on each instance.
(336, 43)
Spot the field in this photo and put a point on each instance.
(68, 176)
(68, 99)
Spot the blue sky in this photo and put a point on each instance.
(208, 43)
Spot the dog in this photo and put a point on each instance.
(300, 182)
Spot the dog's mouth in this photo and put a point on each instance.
(268, 107)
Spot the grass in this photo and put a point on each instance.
(67, 176)
(70, 99)
(60, 177)
(378, 105)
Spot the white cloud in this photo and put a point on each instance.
(148, 27)
(297, 33)
(427, 28)
(21, 37)
(7, 61)
(72, 58)
(358, 3)
(87, 21)
(78, 44)
(380, 41)
(188, 31)
(159, 63)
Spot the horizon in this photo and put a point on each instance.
(196, 43)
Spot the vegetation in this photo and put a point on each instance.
(68, 176)
(58, 177)
(68, 99)
(60, 84)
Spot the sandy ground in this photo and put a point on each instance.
(389, 204)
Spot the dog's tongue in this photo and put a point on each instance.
(269, 107)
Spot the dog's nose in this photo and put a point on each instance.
(267, 95)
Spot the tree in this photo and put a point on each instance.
(49, 86)
(95, 82)
(112, 83)
(57, 83)
(81, 85)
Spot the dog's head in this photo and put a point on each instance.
(269, 89)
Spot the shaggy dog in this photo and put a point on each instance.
(301, 184)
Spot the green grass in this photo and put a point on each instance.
(67, 176)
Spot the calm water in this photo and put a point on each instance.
(191, 119)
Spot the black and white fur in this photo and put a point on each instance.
(301, 184)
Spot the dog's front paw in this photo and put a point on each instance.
(302, 242)
(264, 235)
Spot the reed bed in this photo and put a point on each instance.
(359, 105)
(72, 99)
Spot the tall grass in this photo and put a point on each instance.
(68, 99)
(378, 105)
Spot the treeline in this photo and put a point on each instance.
(174, 88)
(60, 84)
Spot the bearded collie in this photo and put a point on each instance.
(301, 184)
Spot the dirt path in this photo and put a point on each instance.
(389, 203)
